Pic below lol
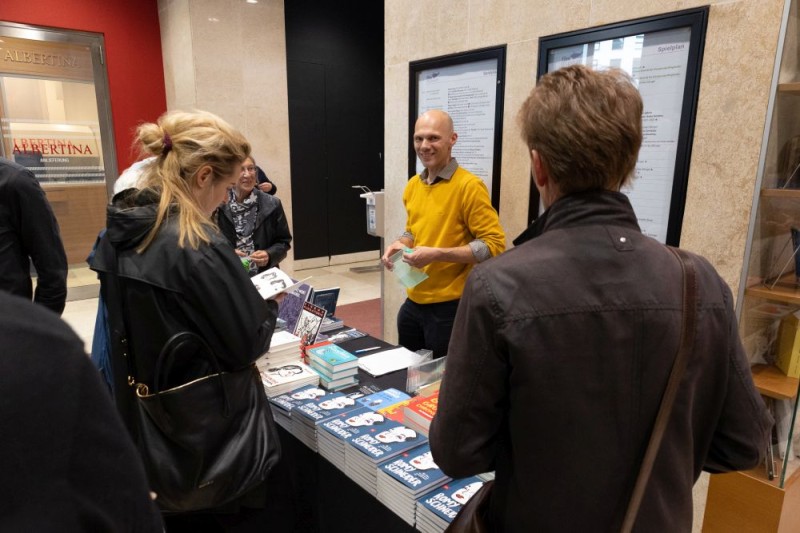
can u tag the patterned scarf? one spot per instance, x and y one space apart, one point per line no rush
244 216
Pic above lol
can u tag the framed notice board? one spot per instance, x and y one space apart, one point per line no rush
468 86
664 56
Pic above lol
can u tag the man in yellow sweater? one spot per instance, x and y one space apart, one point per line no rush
451 225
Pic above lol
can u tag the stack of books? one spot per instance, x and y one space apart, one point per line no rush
284 349
420 411
309 415
437 508
336 366
282 379
403 479
334 432
283 405
383 441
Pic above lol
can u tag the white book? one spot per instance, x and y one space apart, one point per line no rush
274 281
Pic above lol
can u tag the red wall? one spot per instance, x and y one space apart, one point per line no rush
132 50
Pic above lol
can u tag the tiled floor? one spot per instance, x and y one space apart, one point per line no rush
83 288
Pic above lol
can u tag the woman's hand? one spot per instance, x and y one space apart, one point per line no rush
265 187
260 258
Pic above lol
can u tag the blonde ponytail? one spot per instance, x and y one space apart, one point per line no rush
183 143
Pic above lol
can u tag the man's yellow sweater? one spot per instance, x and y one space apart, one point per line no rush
448 214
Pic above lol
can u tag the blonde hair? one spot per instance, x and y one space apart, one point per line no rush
586 126
184 142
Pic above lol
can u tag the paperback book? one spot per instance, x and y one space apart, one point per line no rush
332 358
274 281
346 335
383 441
335 431
338 384
383 399
291 305
284 349
420 411
282 379
437 508
307 416
283 404
308 323
402 479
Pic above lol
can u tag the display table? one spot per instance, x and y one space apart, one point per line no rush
326 499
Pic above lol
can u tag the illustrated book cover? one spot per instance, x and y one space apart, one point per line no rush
415 470
289 308
308 323
274 281
445 502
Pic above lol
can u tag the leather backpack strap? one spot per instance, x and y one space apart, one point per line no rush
678 367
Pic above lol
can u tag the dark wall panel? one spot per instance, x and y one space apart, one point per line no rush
335 121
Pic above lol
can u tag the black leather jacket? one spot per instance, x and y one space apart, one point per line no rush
29 231
557 363
169 289
271 232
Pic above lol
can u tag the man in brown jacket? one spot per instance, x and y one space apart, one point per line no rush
562 346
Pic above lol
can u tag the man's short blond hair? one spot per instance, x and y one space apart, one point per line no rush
586 126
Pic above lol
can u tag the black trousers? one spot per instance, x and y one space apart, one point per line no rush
426 326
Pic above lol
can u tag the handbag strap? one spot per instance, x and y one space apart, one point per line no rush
671 391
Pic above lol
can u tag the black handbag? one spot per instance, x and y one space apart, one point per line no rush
203 443
206 442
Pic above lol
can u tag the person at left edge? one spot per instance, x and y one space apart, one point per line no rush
68 463
254 222
29 232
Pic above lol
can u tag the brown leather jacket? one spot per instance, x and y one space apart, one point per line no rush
557 363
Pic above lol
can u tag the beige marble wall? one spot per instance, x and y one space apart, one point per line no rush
229 57
737 69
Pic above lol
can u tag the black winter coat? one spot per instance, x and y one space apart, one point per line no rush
271 232
169 289
558 359
29 231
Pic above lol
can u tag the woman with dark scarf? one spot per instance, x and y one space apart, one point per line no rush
254 222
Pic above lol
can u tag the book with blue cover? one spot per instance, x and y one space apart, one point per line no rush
440 506
383 441
384 398
332 358
292 304
333 432
403 478
308 416
285 403
327 298
320 409
415 470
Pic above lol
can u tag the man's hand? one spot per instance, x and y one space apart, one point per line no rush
390 251
260 258
421 256
265 187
